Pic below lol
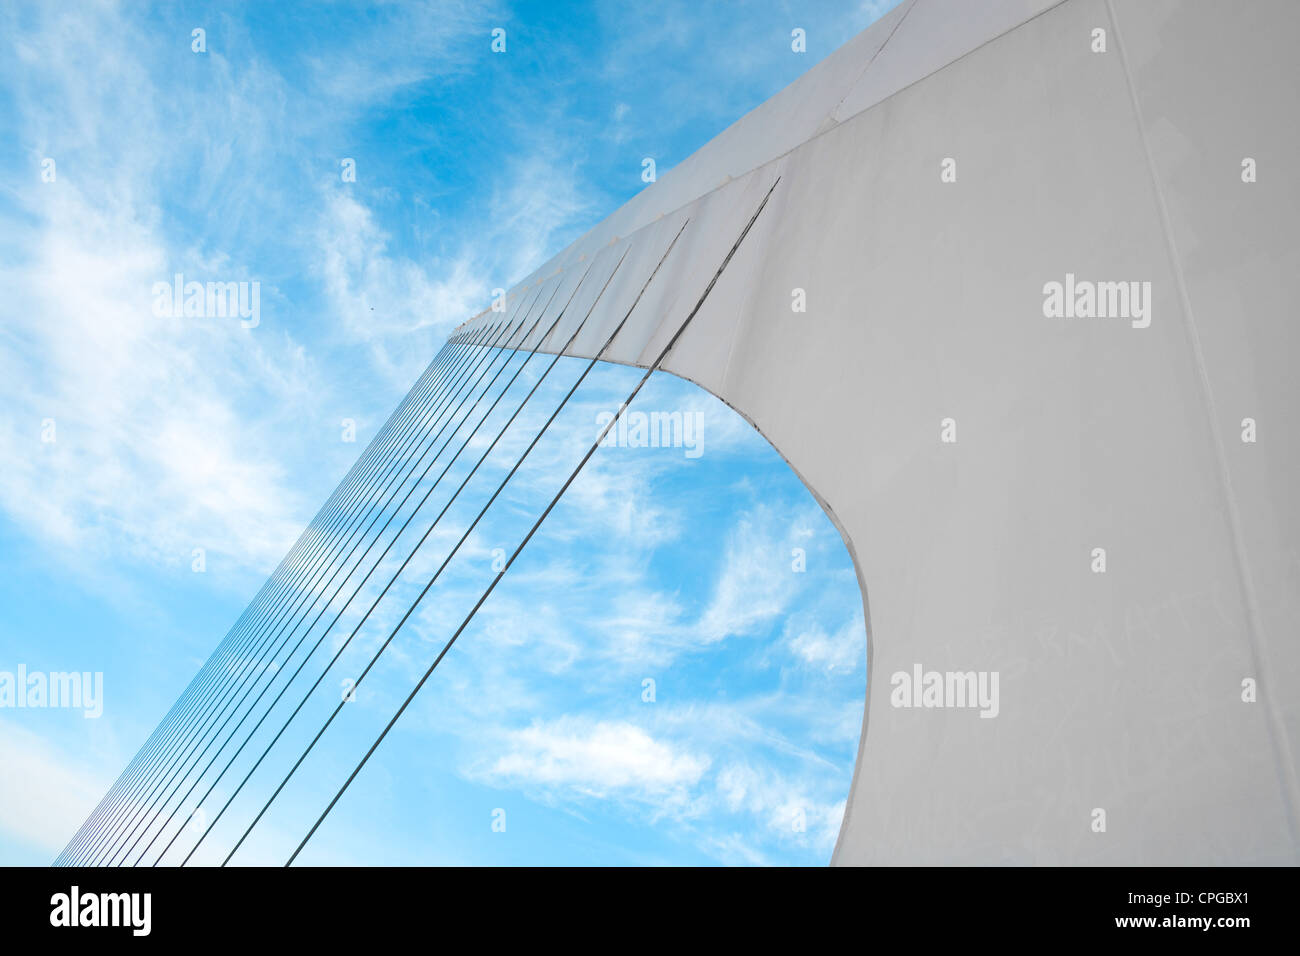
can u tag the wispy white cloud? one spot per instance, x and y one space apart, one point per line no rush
757 579
150 452
786 807
380 297
387 301
44 795
161 425
394 47
841 650
600 758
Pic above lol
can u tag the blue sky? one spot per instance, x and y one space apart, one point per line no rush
174 434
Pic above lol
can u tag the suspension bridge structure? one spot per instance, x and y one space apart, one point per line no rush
1008 284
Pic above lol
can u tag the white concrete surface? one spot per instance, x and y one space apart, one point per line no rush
1120 691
